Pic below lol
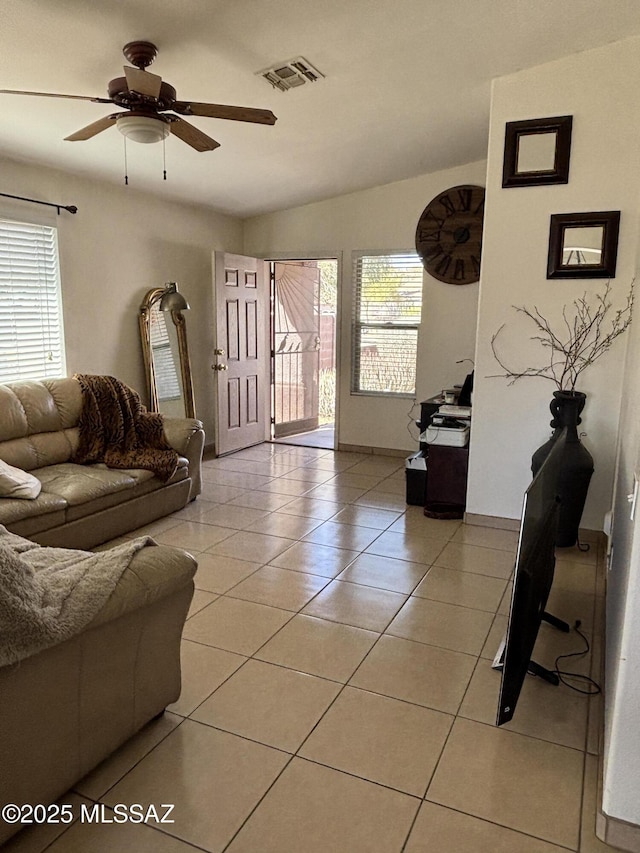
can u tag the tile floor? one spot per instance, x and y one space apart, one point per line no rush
338 694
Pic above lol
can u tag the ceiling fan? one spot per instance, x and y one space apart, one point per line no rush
147 100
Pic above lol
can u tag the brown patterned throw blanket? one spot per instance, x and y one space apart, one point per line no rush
115 428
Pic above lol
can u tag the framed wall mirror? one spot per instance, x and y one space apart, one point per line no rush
583 245
537 152
165 351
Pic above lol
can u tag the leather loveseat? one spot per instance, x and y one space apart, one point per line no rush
67 707
83 505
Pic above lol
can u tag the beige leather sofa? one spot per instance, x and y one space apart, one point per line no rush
83 505
65 709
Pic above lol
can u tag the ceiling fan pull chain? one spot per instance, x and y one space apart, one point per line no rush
126 168
164 159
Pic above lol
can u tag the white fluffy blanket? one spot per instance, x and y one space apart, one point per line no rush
48 595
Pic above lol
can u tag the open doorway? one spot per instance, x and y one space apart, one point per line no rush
303 347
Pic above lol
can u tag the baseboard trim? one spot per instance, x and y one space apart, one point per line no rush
492 521
376 451
617 833
584 535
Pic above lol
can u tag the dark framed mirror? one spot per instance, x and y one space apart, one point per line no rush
583 245
537 152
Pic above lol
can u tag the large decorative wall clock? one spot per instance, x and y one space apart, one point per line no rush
449 234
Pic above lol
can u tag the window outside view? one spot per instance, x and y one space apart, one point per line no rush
387 308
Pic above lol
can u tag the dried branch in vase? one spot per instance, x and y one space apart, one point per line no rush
586 333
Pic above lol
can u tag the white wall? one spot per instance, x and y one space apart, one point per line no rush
379 220
118 245
599 88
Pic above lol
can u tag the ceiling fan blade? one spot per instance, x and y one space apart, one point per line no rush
191 135
191 108
143 82
92 129
56 95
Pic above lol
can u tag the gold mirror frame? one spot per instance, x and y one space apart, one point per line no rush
150 300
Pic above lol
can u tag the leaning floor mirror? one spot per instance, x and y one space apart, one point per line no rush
165 352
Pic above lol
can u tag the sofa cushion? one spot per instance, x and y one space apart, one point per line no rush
44 505
142 483
79 484
38 422
16 483
91 488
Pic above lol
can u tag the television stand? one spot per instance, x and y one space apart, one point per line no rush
541 672
534 668
560 624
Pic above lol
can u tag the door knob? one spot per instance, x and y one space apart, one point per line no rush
219 367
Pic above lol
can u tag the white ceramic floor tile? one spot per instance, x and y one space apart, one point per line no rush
448 831
204 668
282 588
460 629
516 781
218 574
235 625
474 558
464 588
113 768
316 810
384 573
254 547
405 546
110 837
319 647
226 777
315 559
269 704
426 675
556 714
357 605
381 739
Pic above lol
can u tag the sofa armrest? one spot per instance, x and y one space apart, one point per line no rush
154 572
186 435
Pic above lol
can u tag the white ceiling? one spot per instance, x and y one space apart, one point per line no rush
407 86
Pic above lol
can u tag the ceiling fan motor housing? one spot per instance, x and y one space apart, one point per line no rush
120 95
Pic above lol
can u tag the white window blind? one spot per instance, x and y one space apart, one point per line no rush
387 307
31 331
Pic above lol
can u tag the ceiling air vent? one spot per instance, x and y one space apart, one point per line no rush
291 74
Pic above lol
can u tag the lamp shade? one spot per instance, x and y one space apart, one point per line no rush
144 129
172 300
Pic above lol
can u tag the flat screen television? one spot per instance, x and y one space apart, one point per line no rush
533 577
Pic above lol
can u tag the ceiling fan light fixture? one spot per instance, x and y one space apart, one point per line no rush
143 129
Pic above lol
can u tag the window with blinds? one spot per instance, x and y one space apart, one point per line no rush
386 318
31 331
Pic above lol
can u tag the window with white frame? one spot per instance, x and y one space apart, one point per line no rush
31 330
387 303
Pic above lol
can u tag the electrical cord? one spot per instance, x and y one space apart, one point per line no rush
412 422
593 687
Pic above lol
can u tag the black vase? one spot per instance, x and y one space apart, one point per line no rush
576 466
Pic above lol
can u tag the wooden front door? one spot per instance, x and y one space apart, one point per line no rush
241 364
